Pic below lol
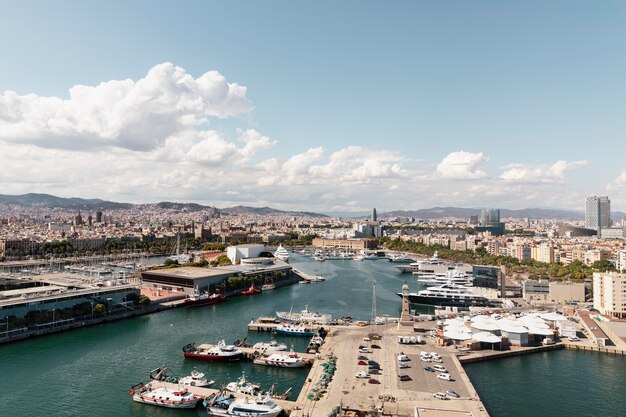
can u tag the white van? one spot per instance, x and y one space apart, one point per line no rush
440 368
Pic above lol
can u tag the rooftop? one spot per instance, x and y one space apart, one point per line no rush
191 272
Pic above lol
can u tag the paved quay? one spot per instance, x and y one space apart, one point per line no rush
389 395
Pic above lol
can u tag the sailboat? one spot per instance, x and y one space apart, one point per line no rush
181 258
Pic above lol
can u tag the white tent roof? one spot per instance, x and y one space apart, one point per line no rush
486 337
456 335
490 327
541 331
552 317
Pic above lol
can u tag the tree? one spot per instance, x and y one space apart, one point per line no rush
143 300
99 309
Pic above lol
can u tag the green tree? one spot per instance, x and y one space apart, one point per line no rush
99 309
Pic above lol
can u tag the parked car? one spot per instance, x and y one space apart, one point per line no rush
374 371
361 363
364 350
372 362
373 381
440 368
425 359
429 369
403 365
452 394
362 358
444 377
403 358
375 346
404 377
440 396
362 374
573 338
438 360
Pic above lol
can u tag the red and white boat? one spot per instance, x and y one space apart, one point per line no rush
198 299
220 352
164 397
283 360
251 291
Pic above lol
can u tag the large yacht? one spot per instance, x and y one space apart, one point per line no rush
305 316
416 266
220 352
281 253
448 295
454 276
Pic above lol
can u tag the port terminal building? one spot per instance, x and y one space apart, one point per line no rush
185 279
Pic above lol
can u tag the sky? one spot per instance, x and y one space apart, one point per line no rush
323 106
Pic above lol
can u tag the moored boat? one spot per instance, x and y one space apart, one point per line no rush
243 386
283 360
293 330
251 291
196 379
163 397
281 253
272 345
201 299
220 352
304 316
228 406
268 287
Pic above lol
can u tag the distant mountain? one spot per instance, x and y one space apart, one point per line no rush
264 211
182 206
47 200
460 212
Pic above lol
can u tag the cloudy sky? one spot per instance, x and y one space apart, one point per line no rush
323 106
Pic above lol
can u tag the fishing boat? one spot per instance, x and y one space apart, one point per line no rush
251 291
304 316
164 397
243 386
283 360
293 330
220 352
228 406
268 287
202 299
272 345
196 379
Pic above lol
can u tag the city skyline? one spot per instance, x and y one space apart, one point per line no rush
319 107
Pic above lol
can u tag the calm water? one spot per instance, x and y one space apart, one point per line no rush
88 372
558 383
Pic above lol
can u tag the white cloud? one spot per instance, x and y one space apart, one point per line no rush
540 173
462 165
301 163
137 115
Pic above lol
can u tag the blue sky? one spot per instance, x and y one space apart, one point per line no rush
348 105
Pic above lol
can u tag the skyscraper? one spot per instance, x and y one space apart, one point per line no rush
598 212
374 216
489 216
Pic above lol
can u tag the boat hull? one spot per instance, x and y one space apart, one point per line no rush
164 402
205 302
292 333
213 358
220 412
447 302
298 364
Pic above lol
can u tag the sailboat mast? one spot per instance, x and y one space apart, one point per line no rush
374 302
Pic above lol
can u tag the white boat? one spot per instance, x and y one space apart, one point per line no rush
267 287
281 253
455 276
181 258
196 379
448 295
283 360
219 352
273 345
164 397
262 406
294 330
304 316
317 278
243 386
400 259
359 257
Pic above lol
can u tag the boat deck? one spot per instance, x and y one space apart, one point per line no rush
251 352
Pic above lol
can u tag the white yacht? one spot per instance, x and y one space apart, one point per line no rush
283 360
448 295
455 276
273 345
262 406
164 397
281 253
418 265
305 316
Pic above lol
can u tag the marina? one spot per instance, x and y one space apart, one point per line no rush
101 356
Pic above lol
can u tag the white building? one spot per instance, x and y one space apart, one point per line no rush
620 263
609 293
236 253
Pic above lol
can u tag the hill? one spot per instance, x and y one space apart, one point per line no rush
47 200
264 211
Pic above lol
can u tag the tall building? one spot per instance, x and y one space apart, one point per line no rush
609 293
490 222
489 216
374 216
598 212
98 217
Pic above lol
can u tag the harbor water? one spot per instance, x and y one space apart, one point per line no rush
88 372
